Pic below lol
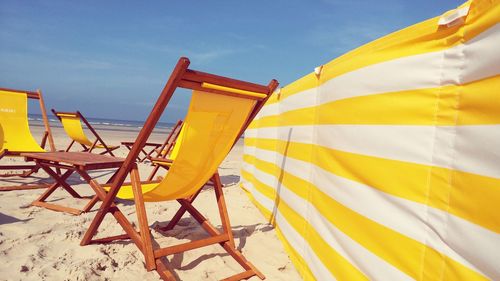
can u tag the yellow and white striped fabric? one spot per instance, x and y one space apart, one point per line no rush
385 164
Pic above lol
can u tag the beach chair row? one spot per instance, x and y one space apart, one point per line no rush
220 110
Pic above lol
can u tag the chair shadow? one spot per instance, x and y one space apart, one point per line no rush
6 219
229 180
74 179
22 181
277 200
225 180
195 232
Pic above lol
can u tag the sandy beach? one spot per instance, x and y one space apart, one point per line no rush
39 244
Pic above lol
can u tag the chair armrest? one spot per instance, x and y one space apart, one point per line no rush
147 144
159 159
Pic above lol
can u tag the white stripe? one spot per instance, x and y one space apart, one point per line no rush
481 55
268 110
465 242
476 148
474 60
296 240
304 99
370 264
404 143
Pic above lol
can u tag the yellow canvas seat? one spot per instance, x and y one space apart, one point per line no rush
215 119
15 134
72 125
220 110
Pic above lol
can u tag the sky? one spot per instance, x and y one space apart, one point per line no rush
111 59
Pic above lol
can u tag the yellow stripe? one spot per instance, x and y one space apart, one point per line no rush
300 264
424 37
470 196
474 103
341 268
304 271
66 115
233 90
399 250
479 102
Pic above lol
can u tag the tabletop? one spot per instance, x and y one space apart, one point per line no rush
85 160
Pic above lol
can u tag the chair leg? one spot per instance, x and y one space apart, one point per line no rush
101 213
250 269
27 170
30 172
91 203
70 145
165 273
219 195
24 187
153 173
142 218
178 215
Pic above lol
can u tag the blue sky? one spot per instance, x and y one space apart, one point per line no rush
110 59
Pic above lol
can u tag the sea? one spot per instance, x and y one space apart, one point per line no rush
108 124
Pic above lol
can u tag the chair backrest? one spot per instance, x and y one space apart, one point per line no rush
166 150
211 128
15 136
72 125
220 110
177 144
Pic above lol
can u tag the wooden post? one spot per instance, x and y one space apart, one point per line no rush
46 121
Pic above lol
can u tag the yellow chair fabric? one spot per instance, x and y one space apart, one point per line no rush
208 133
15 134
385 163
174 151
73 127
177 145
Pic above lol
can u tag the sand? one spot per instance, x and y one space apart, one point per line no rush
39 244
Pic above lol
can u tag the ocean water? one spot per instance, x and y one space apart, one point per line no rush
109 124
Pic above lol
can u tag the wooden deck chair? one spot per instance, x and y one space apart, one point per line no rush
166 154
72 124
15 134
220 110
159 149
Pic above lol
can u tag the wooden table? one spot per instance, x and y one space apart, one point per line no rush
80 162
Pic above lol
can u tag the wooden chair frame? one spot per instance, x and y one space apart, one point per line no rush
163 152
28 170
98 139
184 78
156 147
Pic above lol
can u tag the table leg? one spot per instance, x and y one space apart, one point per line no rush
53 187
61 182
